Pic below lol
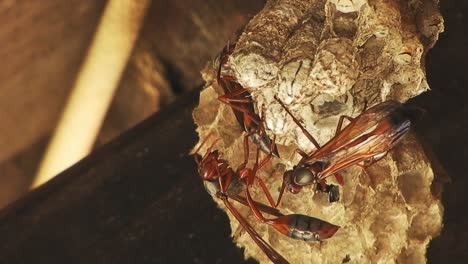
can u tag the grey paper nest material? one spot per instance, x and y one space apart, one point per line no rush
325 59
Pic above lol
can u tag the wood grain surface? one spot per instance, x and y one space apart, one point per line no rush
43 43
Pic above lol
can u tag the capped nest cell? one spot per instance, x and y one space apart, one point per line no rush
325 59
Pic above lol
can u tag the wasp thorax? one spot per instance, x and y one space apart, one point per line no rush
303 176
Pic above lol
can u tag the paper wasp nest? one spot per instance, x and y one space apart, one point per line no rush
325 59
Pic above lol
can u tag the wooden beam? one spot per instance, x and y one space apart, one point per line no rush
137 199
43 43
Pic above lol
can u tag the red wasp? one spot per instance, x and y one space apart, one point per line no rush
223 181
295 226
226 183
365 140
239 99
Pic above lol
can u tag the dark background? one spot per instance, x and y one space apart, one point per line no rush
138 199
445 128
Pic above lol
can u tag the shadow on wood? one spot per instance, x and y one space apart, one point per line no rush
137 200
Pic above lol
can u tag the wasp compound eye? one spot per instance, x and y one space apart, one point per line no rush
303 176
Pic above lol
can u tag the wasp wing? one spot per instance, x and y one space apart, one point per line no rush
370 135
359 126
235 95
369 146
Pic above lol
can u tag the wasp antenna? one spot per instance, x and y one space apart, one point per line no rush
213 144
194 152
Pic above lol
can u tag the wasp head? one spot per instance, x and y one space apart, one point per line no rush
298 177
208 166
